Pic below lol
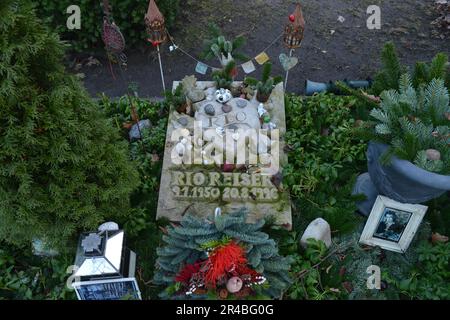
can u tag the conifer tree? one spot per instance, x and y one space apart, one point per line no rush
388 78
63 167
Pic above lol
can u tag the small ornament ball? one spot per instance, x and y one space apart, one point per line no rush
292 18
234 284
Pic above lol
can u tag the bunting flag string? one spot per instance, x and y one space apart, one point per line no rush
248 67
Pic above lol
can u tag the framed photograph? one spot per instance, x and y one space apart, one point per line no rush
392 225
111 289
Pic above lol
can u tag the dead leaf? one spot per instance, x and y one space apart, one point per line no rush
436 238
348 286
398 30
91 61
163 230
127 125
155 157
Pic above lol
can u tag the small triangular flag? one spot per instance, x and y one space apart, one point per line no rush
248 67
201 68
262 58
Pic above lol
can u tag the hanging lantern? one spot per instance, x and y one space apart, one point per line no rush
294 30
155 25
105 267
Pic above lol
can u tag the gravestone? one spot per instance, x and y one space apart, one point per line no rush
203 166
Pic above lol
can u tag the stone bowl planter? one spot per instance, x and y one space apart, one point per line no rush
401 180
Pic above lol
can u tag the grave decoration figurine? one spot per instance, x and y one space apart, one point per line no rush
292 38
112 38
220 257
156 32
223 95
105 268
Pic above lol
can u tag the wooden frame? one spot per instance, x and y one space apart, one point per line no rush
397 235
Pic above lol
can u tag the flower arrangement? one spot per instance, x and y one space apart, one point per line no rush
224 272
223 257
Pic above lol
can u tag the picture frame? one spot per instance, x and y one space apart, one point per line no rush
392 225
108 289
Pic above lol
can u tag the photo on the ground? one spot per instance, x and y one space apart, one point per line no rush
392 224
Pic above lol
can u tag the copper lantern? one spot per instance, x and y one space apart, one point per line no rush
294 30
155 24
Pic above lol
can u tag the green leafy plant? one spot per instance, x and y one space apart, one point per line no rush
266 84
221 48
24 276
64 167
308 271
429 279
128 15
175 100
325 158
224 78
412 121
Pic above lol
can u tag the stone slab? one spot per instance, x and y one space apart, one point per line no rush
200 188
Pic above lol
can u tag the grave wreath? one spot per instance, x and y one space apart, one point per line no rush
220 257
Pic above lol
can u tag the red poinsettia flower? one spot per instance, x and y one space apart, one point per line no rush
185 275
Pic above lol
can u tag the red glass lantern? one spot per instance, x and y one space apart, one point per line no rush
294 30
155 24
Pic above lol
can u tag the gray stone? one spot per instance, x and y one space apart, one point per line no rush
183 121
108 226
41 249
241 103
318 229
433 154
209 110
134 131
226 108
196 95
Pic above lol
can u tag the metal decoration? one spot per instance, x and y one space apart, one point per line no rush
294 30
113 39
155 24
115 45
91 242
293 34
156 31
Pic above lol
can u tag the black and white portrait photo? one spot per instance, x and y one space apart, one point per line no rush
392 224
